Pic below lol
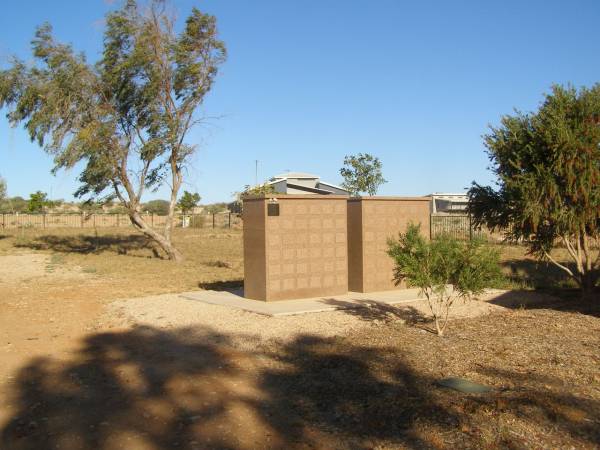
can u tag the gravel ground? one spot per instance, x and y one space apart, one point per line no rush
170 311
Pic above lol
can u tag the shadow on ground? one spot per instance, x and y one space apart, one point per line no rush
223 285
536 274
568 300
149 388
373 311
85 244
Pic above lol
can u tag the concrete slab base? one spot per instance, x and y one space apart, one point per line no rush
235 299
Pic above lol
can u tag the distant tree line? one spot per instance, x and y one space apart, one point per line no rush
38 203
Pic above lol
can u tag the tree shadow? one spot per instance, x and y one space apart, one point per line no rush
536 274
356 396
564 300
189 388
120 386
374 311
148 388
86 244
222 285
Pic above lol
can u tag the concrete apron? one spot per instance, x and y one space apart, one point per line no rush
235 299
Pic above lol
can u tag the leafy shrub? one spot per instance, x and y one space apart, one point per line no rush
445 269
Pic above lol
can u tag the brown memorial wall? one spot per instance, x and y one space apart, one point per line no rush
295 246
371 222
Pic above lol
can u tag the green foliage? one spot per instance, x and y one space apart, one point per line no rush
444 268
188 201
126 117
14 205
91 207
38 202
548 169
158 207
259 190
362 173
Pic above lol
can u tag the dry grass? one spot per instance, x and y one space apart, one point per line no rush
525 271
129 261
125 263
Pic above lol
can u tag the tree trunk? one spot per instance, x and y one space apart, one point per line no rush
163 242
172 203
588 284
438 328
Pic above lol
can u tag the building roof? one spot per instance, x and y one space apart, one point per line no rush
333 185
448 194
308 189
299 175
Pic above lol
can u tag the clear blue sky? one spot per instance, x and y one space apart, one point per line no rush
307 82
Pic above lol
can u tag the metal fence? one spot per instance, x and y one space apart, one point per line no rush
457 226
17 221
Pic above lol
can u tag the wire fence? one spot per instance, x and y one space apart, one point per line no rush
53 220
459 227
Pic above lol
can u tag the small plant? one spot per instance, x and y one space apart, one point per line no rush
445 269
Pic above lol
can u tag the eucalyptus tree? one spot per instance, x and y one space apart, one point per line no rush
362 173
548 188
127 116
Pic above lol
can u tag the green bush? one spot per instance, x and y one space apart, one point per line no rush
445 269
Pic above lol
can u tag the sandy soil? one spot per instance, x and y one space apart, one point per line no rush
171 312
27 266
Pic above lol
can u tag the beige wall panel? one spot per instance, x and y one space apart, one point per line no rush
299 253
371 222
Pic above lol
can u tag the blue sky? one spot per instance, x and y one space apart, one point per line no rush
307 82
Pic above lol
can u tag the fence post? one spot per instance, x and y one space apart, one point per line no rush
229 219
470 228
213 220
152 220
82 219
430 227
